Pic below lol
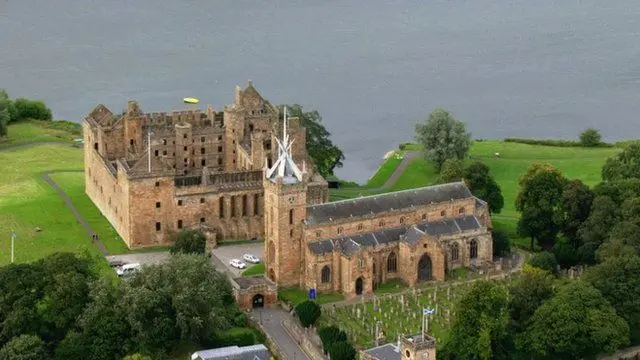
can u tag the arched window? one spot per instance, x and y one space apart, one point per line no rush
318 233
381 223
325 275
473 249
291 217
360 227
339 230
402 220
392 263
424 216
455 252
443 213
461 211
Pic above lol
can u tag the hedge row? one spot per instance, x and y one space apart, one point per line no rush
547 142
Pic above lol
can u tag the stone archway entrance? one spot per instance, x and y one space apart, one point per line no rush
258 301
424 268
272 275
359 286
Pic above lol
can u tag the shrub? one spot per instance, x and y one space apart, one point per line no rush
189 242
235 336
65 125
308 311
30 109
590 138
330 335
549 142
565 254
342 350
501 243
545 261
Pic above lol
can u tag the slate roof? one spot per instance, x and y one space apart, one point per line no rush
385 352
251 352
349 245
371 205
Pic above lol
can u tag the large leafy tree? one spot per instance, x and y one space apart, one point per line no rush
452 170
545 261
539 202
325 154
531 290
618 281
5 112
578 322
24 347
479 328
625 165
484 186
30 109
443 137
590 137
576 205
595 230
189 242
308 312
342 350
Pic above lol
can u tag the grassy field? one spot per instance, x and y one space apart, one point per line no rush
39 131
257 269
27 202
73 184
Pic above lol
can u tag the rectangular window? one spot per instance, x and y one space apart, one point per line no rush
158 204
202 139
203 162
202 150
291 217
179 202
179 224
156 152
219 149
185 148
201 200
201 220
157 183
219 161
184 136
219 138
256 204
233 206
221 207
164 152
158 227
244 205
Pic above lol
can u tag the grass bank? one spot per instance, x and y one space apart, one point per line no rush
28 132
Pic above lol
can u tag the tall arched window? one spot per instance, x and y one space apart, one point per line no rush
325 275
291 217
443 213
402 220
461 211
392 263
473 249
381 223
339 230
455 252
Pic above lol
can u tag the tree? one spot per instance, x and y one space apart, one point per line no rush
452 170
630 210
24 347
618 281
565 253
342 350
31 109
531 290
578 322
479 180
590 137
137 356
443 137
603 216
501 244
5 112
325 155
540 203
545 261
576 206
479 328
625 165
189 242
330 335
308 312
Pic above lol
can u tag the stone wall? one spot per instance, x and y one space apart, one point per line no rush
307 338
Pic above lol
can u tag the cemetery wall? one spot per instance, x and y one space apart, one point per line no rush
308 340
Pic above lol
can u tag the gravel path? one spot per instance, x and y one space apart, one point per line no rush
408 157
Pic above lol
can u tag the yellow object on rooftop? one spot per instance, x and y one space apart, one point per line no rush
191 100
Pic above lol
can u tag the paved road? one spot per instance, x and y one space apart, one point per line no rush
272 319
408 157
227 252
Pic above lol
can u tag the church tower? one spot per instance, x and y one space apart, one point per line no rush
285 205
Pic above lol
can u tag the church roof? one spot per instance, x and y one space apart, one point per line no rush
352 244
385 352
371 205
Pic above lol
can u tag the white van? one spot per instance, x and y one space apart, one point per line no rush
128 269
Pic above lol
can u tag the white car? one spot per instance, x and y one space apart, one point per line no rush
237 264
128 269
250 258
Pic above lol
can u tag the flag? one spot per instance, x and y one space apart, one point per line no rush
428 311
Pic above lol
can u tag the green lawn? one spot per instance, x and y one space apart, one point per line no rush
73 184
27 202
385 170
296 296
37 131
257 269
390 286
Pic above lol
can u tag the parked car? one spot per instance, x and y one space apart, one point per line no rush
128 269
250 258
237 264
